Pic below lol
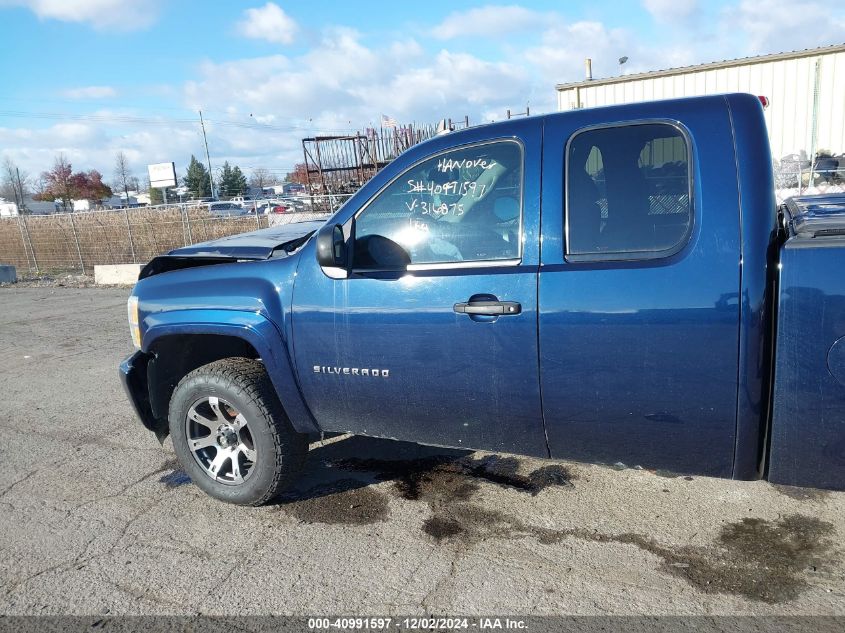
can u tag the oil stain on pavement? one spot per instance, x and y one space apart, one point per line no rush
802 494
457 478
761 560
340 502
758 559
355 501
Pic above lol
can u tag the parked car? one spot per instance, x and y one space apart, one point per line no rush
605 285
247 203
294 204
196 202
293 188
225 209
272 207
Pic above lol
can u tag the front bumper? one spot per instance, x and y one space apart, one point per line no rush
133 376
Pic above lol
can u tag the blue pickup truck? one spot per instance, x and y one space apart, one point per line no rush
606 285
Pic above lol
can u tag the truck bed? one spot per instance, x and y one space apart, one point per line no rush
807 444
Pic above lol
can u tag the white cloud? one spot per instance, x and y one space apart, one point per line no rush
451 84
341 58
93 145
671 11
343 84
90 92
559 56
123 15
34 149
269 23
489 21
784 25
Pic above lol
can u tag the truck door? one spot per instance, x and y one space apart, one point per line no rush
432 334
638 287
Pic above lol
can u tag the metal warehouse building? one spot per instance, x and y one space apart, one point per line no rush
806 92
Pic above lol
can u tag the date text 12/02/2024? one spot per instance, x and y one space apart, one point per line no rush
415 623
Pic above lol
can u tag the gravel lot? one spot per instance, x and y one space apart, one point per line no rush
97 517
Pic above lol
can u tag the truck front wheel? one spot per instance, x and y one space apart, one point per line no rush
231 435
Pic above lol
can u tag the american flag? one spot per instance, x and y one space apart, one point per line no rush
387 121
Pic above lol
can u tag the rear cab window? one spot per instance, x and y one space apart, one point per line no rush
628 192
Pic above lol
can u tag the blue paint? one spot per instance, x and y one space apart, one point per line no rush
248 301
808 423
454 380
663 362
758 234
639 359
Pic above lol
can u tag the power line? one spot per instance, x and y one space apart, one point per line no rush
113 103
165 121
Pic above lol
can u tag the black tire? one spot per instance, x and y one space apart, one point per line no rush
280 451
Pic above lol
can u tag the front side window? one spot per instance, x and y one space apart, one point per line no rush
464 205
628 192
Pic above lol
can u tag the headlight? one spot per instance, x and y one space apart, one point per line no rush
134 321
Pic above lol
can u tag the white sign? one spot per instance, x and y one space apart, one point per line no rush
7 209
162 175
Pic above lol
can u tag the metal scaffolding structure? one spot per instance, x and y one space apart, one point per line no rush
341 164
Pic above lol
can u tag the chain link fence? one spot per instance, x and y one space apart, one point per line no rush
76 242
796 175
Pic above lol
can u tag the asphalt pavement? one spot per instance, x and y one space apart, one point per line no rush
97 518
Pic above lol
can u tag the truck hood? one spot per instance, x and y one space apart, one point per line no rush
263 244
256 245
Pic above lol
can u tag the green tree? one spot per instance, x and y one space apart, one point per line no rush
232 180
239 180
197 180
156 196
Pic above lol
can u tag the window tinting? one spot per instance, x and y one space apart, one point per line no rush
462 205
628 191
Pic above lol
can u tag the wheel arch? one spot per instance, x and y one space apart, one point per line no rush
180 341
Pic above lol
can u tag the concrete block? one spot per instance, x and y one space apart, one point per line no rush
8 275
118 274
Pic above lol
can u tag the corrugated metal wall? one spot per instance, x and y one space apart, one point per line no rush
789 84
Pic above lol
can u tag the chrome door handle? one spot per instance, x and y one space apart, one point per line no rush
489 308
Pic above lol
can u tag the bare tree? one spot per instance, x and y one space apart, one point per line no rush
9 182
123 177
14 184
261 178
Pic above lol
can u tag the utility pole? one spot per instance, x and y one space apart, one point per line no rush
22 208
207 156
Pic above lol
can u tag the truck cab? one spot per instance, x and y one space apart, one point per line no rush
597 285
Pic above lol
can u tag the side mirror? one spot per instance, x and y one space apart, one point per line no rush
331 246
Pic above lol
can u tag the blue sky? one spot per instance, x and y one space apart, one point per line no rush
92 77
